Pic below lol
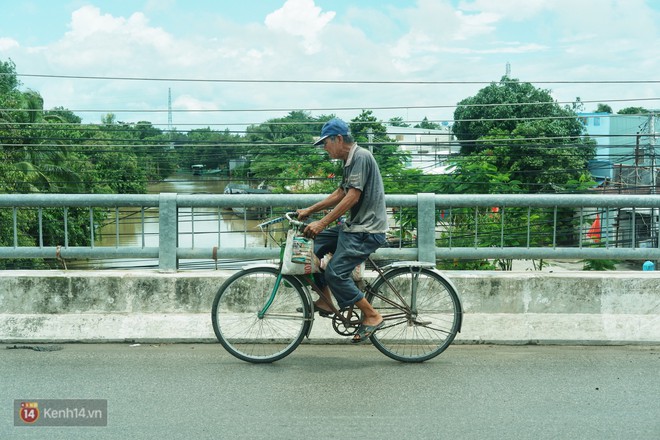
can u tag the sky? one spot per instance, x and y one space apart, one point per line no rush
228 64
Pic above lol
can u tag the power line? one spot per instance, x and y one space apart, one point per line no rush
286 123
359 108
309 81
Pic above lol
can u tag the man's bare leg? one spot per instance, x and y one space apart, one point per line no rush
370 316
325 300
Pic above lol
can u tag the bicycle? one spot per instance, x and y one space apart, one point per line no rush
260 315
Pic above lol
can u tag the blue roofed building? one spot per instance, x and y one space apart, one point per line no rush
626 151
626 163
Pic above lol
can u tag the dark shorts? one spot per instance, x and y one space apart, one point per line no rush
349 250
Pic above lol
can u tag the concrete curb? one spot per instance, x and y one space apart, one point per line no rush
500 307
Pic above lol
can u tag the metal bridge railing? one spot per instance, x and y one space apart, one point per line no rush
425 227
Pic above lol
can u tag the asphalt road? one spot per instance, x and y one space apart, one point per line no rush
342 391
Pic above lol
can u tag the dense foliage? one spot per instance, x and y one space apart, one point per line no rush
525 135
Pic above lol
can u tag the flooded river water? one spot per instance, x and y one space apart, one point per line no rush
203 228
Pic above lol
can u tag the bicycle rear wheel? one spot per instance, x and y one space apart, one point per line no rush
431 322
246 335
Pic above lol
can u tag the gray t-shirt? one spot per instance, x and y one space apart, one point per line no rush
361 172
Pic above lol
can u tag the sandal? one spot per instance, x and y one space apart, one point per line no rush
364 332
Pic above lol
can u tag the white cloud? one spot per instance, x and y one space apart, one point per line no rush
515 10
300 18
187 102
431 24
7 44
476 25
435 27
506 48
102 41
424 40
159 5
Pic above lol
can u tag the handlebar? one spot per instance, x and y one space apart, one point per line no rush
271 222
289 216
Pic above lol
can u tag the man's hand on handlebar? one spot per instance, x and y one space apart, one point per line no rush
314 228
303 213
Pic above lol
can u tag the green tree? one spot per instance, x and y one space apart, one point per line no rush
428 124
109 119
8 78
633 111
63 115
282 154
502 107
398 121
479 174
390 159
298 125
210 148
526 133
40 162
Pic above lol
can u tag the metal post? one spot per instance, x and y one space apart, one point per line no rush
168 236
655 224
426 227
370 137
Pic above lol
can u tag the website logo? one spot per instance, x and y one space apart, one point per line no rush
61 412
29 412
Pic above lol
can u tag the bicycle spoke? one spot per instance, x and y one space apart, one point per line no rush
238 326
432 318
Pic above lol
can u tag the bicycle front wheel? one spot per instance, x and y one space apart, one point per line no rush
422 314
249 327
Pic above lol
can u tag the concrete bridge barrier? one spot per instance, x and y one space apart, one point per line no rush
499 307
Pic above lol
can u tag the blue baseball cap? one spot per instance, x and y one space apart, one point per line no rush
333 127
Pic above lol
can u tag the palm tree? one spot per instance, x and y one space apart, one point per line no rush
41 165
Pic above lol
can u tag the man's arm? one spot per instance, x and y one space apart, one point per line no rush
344 203
330 201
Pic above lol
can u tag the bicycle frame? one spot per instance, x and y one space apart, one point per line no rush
307 280
405 309
263 311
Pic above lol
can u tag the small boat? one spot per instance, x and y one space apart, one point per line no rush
250 213
199 170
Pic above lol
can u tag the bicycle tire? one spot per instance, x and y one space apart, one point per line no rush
430 329
260 340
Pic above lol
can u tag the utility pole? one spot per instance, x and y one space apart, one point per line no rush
652 151
637 154
370 137
654 217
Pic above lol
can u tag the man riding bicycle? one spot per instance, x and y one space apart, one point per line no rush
362 195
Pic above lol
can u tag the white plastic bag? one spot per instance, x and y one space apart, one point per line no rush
357 274
299 258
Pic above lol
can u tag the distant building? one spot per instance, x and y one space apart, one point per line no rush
429 148
626 151
626 163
